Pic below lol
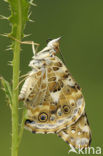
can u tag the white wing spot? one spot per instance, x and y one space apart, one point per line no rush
55 96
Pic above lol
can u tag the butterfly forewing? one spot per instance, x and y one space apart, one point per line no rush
33 90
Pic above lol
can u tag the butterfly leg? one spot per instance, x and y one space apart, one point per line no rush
28 42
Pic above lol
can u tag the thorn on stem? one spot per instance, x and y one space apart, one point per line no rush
31 2
4 17
30 20
5 35
26 35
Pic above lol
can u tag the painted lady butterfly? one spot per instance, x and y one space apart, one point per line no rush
54 100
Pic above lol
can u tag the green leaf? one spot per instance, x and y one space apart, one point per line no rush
7 90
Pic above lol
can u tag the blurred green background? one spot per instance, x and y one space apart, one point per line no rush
80 22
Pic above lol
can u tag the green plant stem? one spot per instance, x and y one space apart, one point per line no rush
16 63
18 18
16 66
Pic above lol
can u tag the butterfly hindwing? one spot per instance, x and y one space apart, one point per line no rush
78 134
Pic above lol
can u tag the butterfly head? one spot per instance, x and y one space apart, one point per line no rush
51 49
54 44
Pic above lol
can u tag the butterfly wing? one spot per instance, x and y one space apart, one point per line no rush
78 135
33 90
62 103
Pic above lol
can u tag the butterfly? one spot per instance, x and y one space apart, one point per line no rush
54 100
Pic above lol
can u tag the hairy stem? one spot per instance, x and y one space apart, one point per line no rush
18 18
16 66
16 61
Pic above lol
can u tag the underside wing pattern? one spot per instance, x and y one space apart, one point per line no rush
62 103
78 134
54 100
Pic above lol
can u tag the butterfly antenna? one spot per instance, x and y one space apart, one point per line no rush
62 57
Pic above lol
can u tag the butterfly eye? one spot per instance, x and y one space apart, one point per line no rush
66 109
48 40
43 117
